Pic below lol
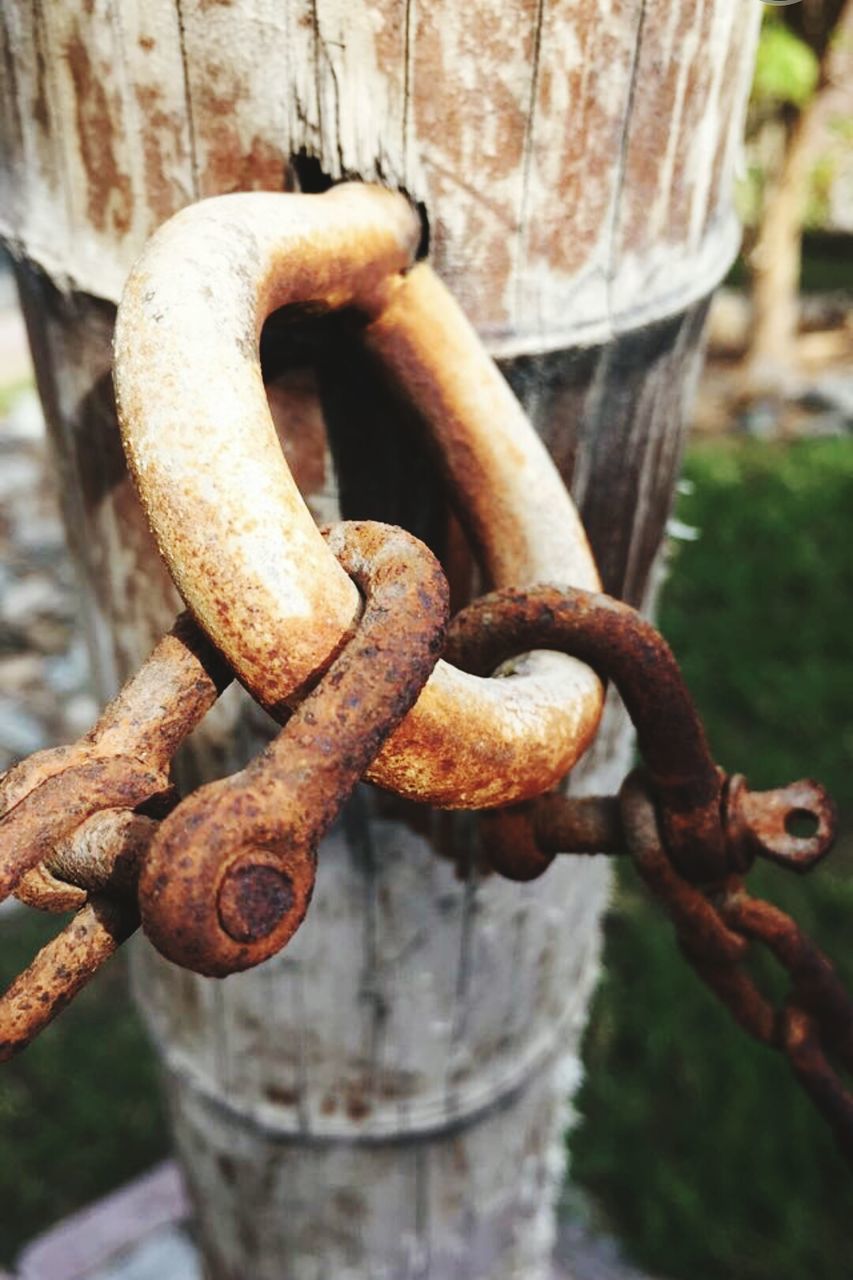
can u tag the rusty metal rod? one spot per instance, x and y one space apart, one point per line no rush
62 968
122 762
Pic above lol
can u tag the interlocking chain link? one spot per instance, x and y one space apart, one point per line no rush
230 873
221 879
225 877
228 517
691 832
225 880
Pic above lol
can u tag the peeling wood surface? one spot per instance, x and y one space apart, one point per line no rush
388 1098
576 159
432 1210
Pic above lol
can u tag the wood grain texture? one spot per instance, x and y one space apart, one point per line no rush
430 1017
387 1098
576 159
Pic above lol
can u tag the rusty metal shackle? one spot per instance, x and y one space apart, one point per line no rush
226 880
230 872
240 542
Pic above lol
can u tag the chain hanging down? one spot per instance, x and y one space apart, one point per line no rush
691 831
224 878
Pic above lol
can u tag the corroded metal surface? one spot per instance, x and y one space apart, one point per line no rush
199 438
702 831
103 920
691 832
61 803
102 855
230 873
106 914
227 878
69 836
764 824
715 925
61 969
813 1024
622 646
121 763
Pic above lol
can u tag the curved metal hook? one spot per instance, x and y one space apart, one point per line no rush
235 532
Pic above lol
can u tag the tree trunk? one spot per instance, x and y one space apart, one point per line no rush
776 258
389 1096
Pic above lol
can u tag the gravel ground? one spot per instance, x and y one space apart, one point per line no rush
45 697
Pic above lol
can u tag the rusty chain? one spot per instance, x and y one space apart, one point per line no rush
76 822
225 879
349 631
691 832
230 872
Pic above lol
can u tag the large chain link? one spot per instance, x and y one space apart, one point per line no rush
222 879
235 532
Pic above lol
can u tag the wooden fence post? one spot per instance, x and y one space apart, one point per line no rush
387 1098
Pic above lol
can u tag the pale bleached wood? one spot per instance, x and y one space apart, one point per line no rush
576 159
388 1098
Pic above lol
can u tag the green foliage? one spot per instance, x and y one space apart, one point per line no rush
80 1111
759 609
12 391
695 1141
786 69
819 202
708 1161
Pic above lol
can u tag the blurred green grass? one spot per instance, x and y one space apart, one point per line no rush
696 1144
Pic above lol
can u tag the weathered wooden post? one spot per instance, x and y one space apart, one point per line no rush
388 1097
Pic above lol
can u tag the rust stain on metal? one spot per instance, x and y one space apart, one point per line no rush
61 969
765 824
521 842
103 855
807 1057
623 647
230 872
716 928
105 918
257 576
69 836
689 909
691 832
253 899
60 804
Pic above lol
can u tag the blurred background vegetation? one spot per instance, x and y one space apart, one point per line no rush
799 175
693 1146
695 1143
